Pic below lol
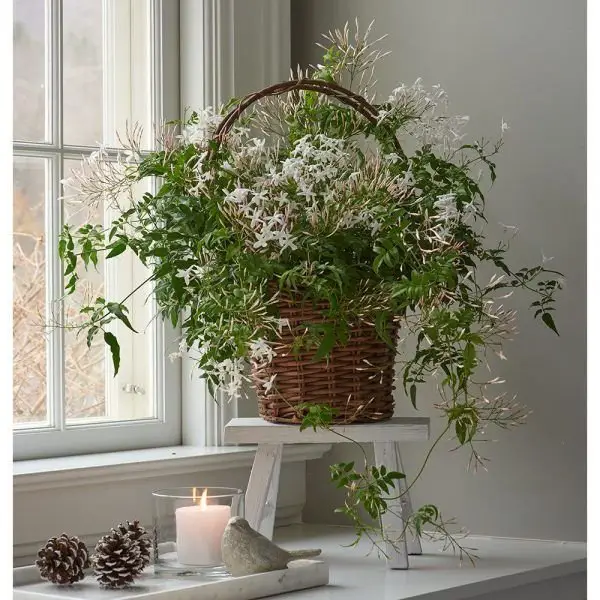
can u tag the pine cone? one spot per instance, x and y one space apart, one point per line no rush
139 535
117 560
63 560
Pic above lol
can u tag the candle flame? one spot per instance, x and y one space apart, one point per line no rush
199 500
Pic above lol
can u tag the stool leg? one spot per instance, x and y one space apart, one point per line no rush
263 486
413 543
385 454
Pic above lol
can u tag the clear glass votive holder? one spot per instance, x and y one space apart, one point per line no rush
188 528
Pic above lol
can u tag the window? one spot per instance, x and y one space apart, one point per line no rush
83 70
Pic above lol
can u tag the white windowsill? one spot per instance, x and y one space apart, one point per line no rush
511 569
49 473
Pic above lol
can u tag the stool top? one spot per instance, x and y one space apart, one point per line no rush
258 431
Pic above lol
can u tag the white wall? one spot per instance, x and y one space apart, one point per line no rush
524 62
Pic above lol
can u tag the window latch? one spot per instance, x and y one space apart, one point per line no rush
132 388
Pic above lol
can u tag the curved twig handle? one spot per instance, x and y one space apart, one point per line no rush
344 95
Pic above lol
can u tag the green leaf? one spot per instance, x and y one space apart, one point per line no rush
413 395
117 309
461 431
90 335
327 344
115 349
117 249
549 321
160 252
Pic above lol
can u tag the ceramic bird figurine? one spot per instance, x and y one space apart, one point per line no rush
246 552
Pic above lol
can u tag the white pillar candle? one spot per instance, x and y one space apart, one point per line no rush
199 531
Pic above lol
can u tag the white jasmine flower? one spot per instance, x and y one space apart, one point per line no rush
184 274
282 198
306 192
392 157
442 232
193 272
268 385
203 129
285 240
258 144
237 196
281 323
232 389
262 239
446 207
261 351
504 126
469 211
230 374
256 218
259 198
375 227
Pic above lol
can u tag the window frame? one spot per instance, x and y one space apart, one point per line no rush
56 438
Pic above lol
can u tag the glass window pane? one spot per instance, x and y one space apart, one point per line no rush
84 367
106 70
29 70
92 393
29 290
82 72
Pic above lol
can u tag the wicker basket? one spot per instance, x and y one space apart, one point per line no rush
357 378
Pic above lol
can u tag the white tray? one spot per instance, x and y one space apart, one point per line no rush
300 574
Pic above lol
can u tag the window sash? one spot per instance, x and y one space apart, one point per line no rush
59 438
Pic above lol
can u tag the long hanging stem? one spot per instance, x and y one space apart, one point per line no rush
428 455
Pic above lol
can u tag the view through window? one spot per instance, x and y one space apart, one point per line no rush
83 70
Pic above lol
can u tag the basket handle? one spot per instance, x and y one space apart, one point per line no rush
344 95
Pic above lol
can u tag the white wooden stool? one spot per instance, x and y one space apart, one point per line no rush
261 495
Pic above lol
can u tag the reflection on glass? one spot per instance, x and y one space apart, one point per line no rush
29 76
82 72
29 290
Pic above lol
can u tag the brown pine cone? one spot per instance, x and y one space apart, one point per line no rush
63 560
139 535
117 560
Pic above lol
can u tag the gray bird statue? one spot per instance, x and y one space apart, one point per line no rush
246 552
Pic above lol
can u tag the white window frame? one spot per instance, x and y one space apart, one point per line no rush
229 48
56 438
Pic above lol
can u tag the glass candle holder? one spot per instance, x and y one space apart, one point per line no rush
188 528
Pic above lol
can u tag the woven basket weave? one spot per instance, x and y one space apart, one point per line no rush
357 378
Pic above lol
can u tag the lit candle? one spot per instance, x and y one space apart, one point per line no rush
199 532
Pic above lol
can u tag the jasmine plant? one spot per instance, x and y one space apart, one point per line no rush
384 219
